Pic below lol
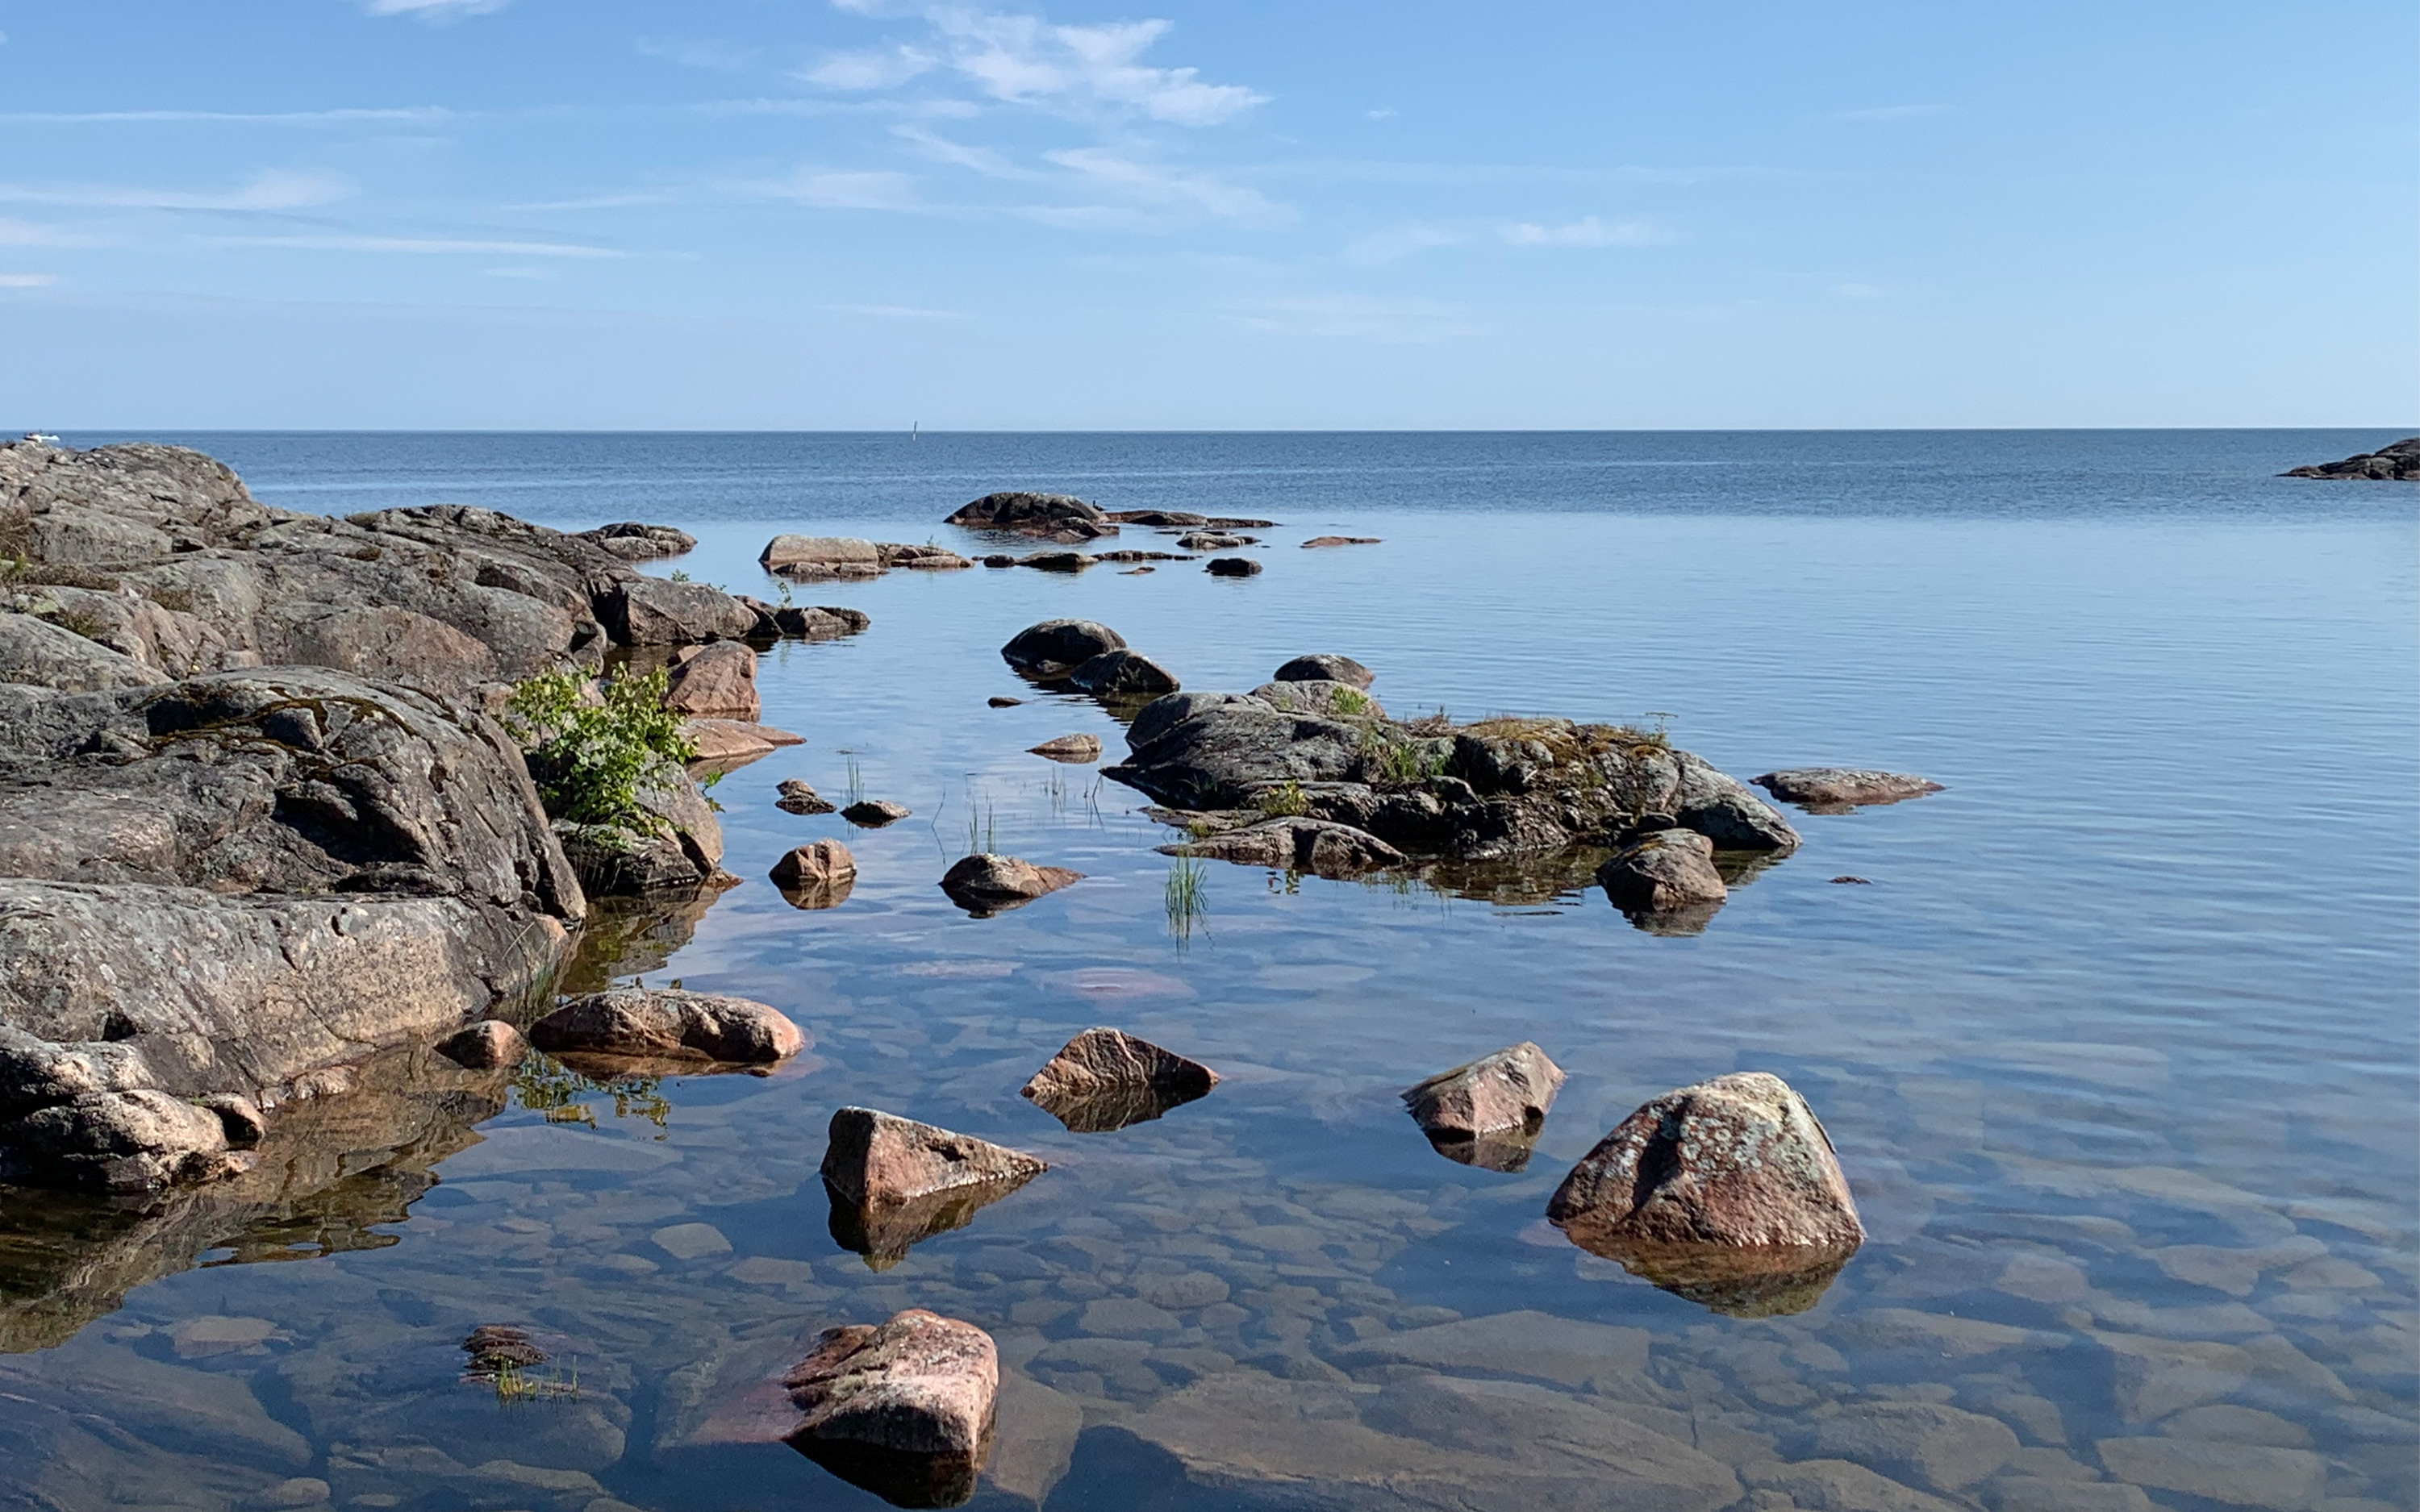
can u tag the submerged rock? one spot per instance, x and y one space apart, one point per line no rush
1324 667
1233 567
1729 1186
1075 750
1662 871
873 813
894 1183
799 796
2398 463
819 622
921 557
1317 541
1318 846
1488 1113
718 680
904 1410
487 1045
1056 647
728 743
1001 700
1121 675
668 1023
984 884
1840 789
1106 1079
823 870
1213 541
1057 561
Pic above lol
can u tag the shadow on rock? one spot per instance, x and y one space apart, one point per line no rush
332 1170
1751 1281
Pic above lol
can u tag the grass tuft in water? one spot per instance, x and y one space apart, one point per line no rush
1185 897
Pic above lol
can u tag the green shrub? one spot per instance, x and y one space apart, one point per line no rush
591 759
1347 701
1283 801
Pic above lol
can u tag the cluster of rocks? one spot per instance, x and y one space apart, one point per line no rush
257 814
2398 463
1086 657
833 557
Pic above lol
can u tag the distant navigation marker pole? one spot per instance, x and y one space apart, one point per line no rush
912 427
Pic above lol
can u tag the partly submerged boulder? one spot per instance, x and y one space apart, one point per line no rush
1056 647
1122 676
1049 515
1317 541
820 866
1488 1112
1662 871
894 1181
984 884
799 796
903 1409
819 622
1106 1079
1318 846
817 558
487 1045
1324 667
1840 789
873 813
118 1142
1727 1190
2398 463
1075 750
1233 567
668 1023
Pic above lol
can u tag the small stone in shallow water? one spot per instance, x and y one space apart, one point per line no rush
873 813
984 884
798 796
1859 882
690 1241
1488 1113
1233 567
999 701
1317 541
1662 872
1840 789
1105 1079
1075 748
824 866
894 1183
668 1023
487 1045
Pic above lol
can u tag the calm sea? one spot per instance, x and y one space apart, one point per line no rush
2118 1047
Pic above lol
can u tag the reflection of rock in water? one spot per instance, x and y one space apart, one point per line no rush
1108 1108
1674 922
332 1168
882 1232
628 937
898 1476
1743 1281
1517 882
1105 1079
1500 1150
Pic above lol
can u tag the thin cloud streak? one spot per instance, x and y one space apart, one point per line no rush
274 190
425 246
230 118
1588 231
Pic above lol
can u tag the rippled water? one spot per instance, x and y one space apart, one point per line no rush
2118 1048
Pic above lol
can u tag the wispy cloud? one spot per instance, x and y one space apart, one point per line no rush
231 117
940 148
422 246
274 190
1588 231
26 280
432 9
1400 241
1169 188
29 234
842 190
1352 315
1876 114
697 53
1025 60
901 312
595 202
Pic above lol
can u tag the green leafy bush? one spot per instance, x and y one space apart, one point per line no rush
591 757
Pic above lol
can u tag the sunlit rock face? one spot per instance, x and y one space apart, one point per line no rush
903 1409
894 1183
1106 1079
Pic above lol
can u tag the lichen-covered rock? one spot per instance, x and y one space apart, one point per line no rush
1324 667
1127 676
1106 1079
1662 871
983 884
1840 789
35 651
1318 846
633 541
1738 1161
1053 648
668 1023
716 680
903 1409
656 612
1498 788
487 1045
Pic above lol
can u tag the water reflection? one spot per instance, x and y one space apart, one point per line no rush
1738 1281
883 1231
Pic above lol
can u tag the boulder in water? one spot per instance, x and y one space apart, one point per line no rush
1056 647
1318 541
903 1409
1033 514
819 557
2398 463
1318 846
1121 675
1662 871
1325 667
984 884
1488 1113
1075 750
490 1045
1840 789
797 795
873 813
668 1023
822 866
1106 1079
1233 567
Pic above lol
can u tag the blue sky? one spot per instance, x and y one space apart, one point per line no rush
794 214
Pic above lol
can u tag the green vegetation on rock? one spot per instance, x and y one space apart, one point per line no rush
591 754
